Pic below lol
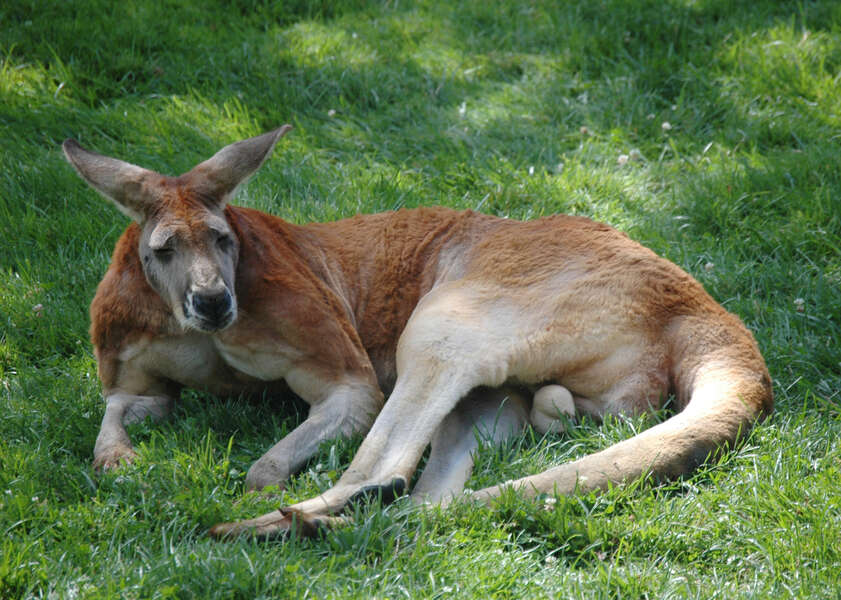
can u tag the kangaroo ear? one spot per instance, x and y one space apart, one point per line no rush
125 184
218 177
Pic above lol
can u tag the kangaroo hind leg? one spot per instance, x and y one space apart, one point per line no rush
447 349
492 414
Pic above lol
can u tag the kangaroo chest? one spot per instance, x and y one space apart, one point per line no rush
203 362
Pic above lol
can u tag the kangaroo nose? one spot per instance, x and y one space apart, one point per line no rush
212 306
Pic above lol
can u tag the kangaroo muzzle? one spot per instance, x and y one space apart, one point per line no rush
210 311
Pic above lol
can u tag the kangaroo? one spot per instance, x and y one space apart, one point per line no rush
462 320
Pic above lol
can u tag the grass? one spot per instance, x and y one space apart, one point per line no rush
729 116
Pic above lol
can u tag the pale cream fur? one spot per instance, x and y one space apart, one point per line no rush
550 404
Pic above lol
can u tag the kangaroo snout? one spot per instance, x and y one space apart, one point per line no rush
211 311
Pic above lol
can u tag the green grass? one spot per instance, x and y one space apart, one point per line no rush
519 110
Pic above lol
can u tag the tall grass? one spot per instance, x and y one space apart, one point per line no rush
708 130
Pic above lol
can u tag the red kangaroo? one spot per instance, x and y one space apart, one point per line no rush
461 319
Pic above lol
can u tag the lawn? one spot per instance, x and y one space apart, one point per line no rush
708 130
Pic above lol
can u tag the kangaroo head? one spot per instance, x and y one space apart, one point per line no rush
187 248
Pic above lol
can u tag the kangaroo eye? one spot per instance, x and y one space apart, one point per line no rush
224 242
164 254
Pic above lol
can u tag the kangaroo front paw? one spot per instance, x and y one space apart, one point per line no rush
551 403
113 457
264 473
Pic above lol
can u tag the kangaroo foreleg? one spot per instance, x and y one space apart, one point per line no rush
346 411
113 445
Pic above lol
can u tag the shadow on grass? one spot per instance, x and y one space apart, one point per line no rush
242 53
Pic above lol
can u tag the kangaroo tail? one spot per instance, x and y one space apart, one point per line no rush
725 389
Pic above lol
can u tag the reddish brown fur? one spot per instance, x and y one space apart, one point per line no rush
355 282
125 308
376 265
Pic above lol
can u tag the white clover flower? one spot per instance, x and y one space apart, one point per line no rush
666 126
622 160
